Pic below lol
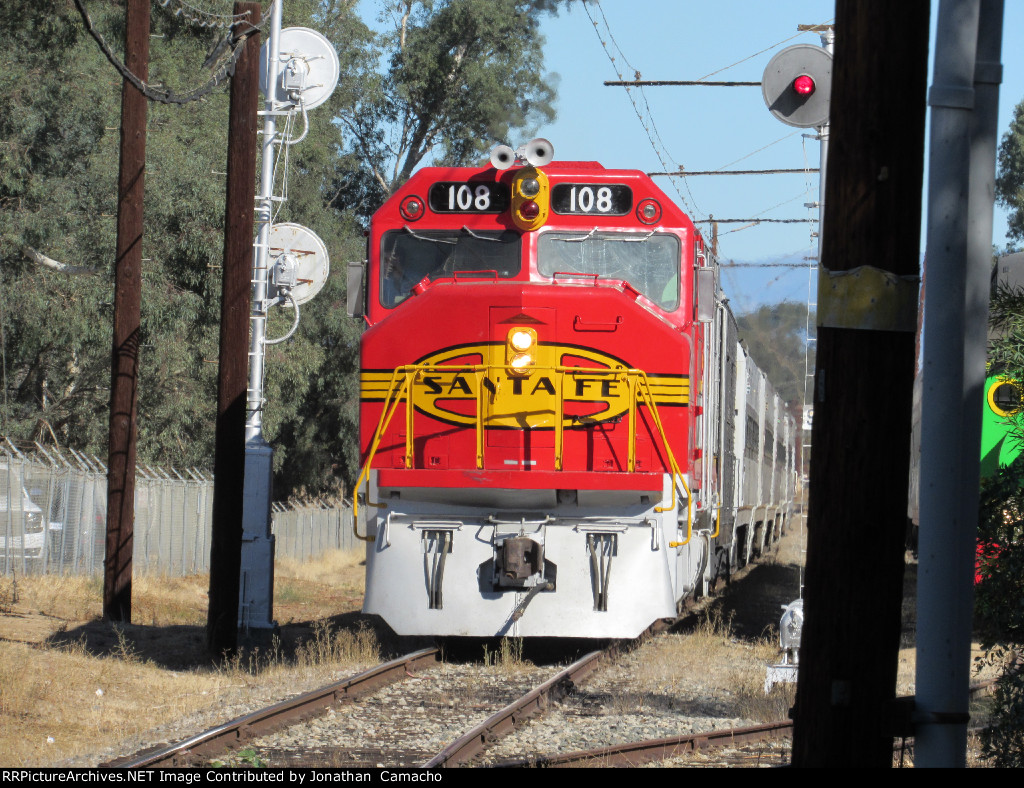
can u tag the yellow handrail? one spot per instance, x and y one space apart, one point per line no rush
401 385
642 378
391 405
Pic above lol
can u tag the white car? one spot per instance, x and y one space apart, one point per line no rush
21 522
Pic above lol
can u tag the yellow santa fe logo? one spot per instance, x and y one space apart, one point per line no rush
590 386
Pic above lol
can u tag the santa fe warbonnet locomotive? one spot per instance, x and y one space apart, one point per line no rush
560 431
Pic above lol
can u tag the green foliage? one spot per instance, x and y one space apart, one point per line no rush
461 76
59 198
1010 178
437 81
999 597
58 169
775 335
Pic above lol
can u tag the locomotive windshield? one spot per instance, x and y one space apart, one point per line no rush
648 261
406 256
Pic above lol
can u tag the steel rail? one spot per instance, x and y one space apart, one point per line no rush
653 750
501 723
280 715
636 753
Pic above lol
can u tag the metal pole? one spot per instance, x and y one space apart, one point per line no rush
261 256
256 585
964 100
828 38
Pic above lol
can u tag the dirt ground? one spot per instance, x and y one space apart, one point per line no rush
73 686
75 690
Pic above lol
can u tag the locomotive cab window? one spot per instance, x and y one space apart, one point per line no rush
407 256
647 261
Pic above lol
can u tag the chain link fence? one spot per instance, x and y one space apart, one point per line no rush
53 517
304 531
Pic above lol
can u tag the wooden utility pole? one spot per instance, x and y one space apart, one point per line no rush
863 387
229 462
117 578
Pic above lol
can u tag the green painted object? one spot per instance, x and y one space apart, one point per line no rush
999 444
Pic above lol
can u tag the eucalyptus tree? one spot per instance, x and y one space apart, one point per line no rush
1010 178
436 81
429 81
775 335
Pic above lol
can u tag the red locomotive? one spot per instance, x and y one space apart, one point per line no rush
554 438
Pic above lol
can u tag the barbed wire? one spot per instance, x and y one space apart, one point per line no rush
239 33
200 16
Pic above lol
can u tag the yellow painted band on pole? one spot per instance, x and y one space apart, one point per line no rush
867 299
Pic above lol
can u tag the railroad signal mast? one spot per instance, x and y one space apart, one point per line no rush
299 71
797 89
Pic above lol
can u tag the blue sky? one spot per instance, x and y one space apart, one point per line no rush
709 128
706 128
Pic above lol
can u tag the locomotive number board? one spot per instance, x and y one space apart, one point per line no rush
609 199
468 197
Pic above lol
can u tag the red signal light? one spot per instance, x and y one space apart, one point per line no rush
803 85
529 210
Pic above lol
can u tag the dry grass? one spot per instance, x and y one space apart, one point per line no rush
72 684
55 702
507 658
713 654
318 589
732 641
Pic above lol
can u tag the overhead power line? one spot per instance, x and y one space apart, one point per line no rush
656 83
763 265
644 115
755 221
734 172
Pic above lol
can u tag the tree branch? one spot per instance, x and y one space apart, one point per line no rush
41 259
366 153
404 25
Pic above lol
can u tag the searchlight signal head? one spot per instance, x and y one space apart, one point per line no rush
797 84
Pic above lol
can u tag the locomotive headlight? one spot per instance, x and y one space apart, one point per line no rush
649 211
529 210
521 361
520 350
521 340
530 198
529 187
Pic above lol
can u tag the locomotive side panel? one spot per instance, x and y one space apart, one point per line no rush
730 452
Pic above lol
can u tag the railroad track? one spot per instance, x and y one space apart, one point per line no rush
247 727
655 750
401 713
756 745
412 711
